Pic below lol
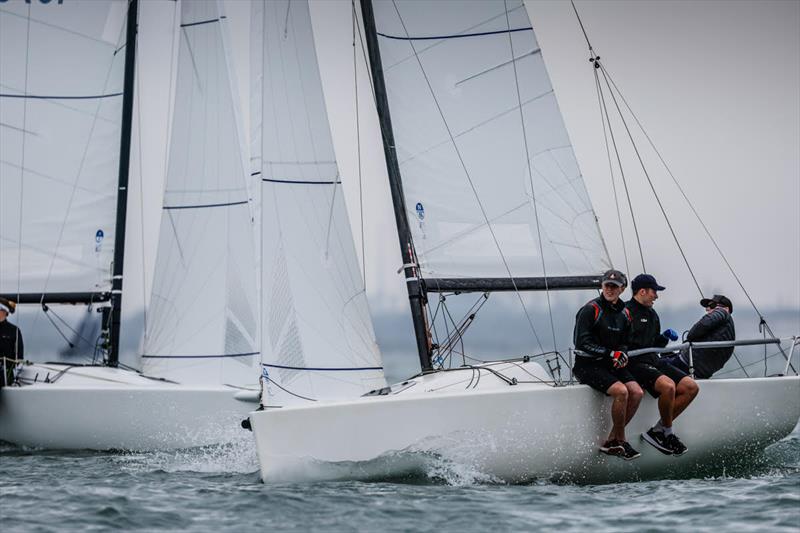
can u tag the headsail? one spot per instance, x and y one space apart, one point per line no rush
61 84
317 333
203 322
470 171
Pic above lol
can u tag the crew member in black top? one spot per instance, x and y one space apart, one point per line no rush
11 347
601 334
674 389
716 325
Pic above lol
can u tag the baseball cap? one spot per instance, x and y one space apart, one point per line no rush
645 281
716 300
614 276
7 305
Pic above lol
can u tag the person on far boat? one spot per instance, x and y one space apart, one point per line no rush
11 347
716 325
673 387
601 334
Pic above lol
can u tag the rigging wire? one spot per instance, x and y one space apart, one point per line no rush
603 119
530 175
22 169
469 178
649 180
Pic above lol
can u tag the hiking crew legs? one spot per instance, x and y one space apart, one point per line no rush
685 391
665 388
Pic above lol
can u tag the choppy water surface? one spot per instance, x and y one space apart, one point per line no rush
219 488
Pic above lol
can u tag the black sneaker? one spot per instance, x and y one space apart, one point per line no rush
658 440
675 444
613 447
630 453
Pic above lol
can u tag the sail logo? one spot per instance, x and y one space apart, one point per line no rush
98 240
420 211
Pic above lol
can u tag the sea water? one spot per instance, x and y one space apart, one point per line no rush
218 488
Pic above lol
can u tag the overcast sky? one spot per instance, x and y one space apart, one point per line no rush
716 84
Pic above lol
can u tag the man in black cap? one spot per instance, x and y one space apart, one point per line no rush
601 334
674 389
716 325
11 347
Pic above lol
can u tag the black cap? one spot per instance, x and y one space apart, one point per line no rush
716 300
614 276
645 281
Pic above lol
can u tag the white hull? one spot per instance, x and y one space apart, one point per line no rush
516 433
101 408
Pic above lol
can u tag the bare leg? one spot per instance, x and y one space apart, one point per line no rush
635 394
665 388
619 393
685 392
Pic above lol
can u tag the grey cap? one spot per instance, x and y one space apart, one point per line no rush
616 277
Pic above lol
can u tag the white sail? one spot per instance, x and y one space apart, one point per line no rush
317 335
471 173
61 82
203 322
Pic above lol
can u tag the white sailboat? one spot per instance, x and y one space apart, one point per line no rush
66 122
491 199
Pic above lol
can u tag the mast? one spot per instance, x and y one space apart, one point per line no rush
122 190
416 291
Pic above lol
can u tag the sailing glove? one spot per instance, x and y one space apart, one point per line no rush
670 334
620 359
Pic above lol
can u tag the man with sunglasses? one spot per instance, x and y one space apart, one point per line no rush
716 325
601 334
673 387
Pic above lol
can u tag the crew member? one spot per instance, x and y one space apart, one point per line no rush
11 347
601 334
674 389
715 325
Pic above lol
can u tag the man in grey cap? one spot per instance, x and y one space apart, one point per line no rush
601 334
673 388
716 325
11 347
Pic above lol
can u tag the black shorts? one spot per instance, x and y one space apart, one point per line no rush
599 374
646 374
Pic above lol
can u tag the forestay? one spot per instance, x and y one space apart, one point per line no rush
61 82
203 322
317 336
456 74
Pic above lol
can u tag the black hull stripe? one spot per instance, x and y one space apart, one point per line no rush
456 36
203 206
220 356
312 369
301 182
47 97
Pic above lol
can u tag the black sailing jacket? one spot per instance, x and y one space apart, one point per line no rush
10 341
714 326
645 331
601 327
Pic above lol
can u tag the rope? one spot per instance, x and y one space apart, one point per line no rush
469 178
530 176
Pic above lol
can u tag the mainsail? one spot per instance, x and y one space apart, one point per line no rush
491 184
61 85
203 322
317 335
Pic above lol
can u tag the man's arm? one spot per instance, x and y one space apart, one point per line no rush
583 338
660 340
20 346
705 325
